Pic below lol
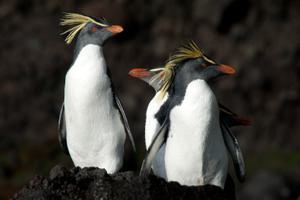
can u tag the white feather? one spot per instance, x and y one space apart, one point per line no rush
151 127
95 133
195 153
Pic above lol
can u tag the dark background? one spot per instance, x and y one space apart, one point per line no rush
259 38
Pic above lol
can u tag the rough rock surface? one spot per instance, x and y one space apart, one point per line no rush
259 38
95 183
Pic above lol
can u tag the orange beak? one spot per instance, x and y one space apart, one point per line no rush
226 69
139 73
115 29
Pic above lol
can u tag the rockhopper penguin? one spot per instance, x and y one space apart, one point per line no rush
187 132
92 123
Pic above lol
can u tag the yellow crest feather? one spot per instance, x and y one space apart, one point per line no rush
185 52
189 51
78 22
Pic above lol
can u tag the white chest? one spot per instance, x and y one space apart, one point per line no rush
195 150
152 125
95 133
195 153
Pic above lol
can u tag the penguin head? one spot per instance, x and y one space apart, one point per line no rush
150 76
189 62
205 69
91 31
96 34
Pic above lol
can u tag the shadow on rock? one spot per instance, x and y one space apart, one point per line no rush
95 183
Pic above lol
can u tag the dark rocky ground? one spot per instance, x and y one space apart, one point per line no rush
259 38
94 183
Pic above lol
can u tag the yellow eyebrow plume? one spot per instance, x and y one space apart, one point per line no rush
77 23
188 51
185 52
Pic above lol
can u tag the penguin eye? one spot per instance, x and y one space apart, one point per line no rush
203 64
94 29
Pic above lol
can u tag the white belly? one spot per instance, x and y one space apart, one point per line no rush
151 127
195 153
95 133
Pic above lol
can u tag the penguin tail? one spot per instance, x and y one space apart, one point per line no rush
243 121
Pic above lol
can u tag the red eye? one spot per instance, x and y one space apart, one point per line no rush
94 29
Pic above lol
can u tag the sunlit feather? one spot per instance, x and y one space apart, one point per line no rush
185 52
77 22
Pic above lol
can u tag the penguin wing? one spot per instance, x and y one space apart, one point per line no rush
62 131
125 122
232 119
157 142
234 150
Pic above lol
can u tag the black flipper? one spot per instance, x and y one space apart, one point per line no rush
158 140
234 150
125 122
232 119
119 106
62 131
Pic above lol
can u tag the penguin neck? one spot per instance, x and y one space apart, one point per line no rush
81 44
90 55
201 105
184 76
199 94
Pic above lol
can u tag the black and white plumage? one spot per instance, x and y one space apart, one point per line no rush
92 123
186 131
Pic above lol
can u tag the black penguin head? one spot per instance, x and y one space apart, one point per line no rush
96 34
150 76
186 64
91 31
206 69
